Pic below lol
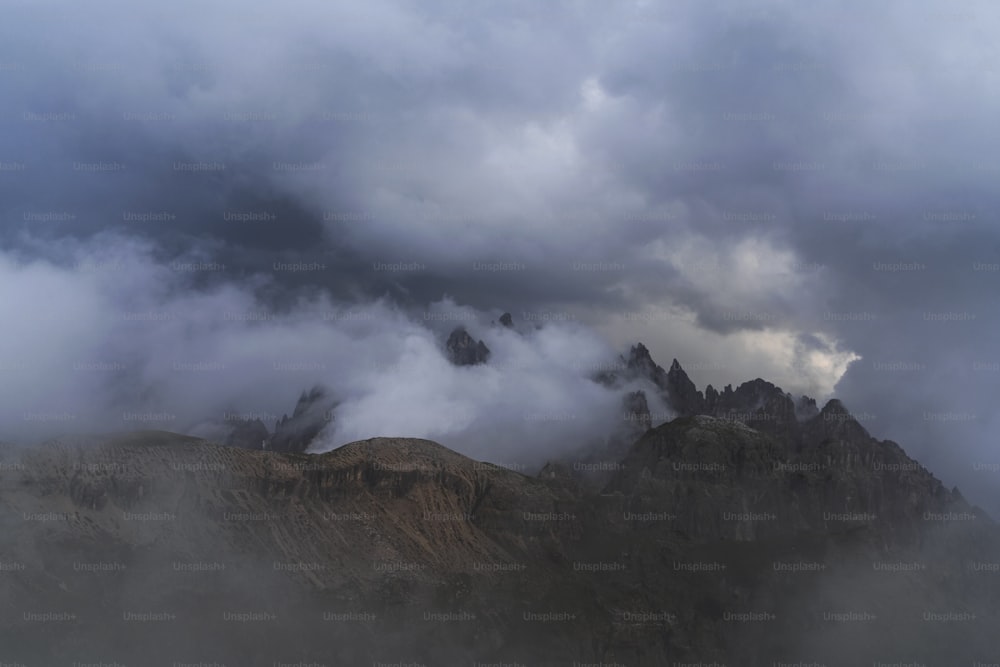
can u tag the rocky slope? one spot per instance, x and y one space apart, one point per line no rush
711 541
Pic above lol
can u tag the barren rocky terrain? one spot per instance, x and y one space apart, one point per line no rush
709 541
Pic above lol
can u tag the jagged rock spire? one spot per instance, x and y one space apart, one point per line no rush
464 350
835 422
313 412
682 395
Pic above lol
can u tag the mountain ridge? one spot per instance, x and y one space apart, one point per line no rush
753 506
396 527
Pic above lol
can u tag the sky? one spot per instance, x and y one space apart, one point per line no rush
206 208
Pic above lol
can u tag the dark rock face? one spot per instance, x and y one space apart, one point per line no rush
464 350
506 320
836 468
681 392
637 410
675 386
313 412
841 504
805 408
758 404
640 364
692 456
834 423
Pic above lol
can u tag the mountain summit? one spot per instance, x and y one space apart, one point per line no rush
464 350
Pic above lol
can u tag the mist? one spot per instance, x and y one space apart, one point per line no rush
129 344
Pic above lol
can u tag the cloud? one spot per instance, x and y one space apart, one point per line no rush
532 399
129 344
738 185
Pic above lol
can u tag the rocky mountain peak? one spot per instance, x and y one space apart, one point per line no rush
757 403
677 388
835 422
464 350
640 362
835 407
820 488
313 412
682 395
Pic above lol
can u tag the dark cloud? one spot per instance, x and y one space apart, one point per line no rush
758 189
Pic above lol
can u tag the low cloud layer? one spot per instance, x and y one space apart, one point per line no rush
125 345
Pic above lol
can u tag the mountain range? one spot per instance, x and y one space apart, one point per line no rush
746 527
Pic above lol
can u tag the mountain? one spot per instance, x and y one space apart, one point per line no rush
313 412
757 403
255 557
841 551
676 387
464 350
711 541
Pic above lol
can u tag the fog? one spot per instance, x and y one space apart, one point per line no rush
126 346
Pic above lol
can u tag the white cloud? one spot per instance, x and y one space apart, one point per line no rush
95 347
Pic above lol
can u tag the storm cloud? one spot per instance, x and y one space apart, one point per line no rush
799 192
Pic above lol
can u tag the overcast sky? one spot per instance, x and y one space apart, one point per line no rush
803 192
